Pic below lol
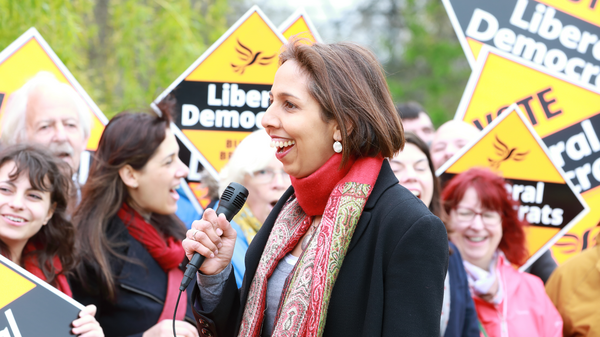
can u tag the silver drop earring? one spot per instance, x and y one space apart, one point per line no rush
337 147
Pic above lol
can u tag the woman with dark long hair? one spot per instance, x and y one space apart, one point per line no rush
414 169
128 234
484 224
346 251
34 230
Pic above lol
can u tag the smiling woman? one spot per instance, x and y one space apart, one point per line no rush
346 251
128 235
34 231
484 224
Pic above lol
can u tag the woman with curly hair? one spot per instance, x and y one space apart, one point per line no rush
484 225
34 230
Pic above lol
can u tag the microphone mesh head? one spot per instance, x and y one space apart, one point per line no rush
240 200
228 194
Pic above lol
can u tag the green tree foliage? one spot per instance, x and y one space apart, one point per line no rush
123 52
433 69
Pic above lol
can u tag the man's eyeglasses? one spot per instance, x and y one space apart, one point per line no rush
266 176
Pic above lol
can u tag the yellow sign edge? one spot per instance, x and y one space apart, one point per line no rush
39 282
217 44
33 33
300 13
486 50
514 108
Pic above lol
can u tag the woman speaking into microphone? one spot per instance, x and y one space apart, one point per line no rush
346 251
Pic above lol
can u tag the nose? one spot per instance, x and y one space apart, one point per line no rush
477 222
60 135
450 151
182 170
269 119
410 175
16 202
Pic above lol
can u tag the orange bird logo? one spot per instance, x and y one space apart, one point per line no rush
505 153
249 58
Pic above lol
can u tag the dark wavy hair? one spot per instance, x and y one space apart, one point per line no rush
46 173
348 83
493 195
129 139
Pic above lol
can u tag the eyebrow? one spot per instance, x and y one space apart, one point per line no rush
285 94
416 162
8 182
173 154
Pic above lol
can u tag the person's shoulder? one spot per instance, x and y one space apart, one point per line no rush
577 266
398 211
117 234
523 283
583 261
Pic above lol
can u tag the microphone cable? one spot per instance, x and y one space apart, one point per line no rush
231 202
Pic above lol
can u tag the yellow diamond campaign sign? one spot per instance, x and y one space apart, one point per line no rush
548 201
565 114
299 24
32 307
222 97
26 57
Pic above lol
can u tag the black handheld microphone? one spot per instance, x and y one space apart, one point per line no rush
233 199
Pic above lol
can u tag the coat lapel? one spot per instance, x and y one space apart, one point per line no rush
385 180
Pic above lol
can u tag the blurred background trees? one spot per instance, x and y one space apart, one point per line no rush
126 52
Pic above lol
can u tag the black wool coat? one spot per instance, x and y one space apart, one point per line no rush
141 288
391 282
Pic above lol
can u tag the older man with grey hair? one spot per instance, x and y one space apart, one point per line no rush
51 113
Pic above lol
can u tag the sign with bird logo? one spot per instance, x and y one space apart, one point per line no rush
24 296
30 57
548 200
299 24
223 95
563 113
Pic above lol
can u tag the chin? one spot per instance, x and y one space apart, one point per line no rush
166 210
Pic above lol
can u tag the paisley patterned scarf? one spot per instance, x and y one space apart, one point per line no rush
340 196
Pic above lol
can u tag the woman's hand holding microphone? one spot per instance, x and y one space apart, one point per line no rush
212 237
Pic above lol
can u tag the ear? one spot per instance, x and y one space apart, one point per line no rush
129 176
49 215
337 134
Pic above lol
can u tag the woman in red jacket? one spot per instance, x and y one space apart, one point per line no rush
34 231
484 225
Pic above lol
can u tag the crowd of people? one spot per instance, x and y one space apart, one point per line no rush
347 230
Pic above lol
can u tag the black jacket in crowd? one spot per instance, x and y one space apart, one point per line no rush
141 289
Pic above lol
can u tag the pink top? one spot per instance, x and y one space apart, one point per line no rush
525 309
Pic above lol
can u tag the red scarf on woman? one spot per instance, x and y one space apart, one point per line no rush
31 264
340 196
168 253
